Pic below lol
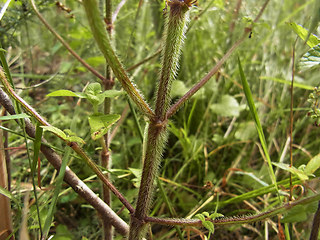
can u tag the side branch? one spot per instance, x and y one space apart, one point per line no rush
65 44
70 177
175 107
102 39
234 220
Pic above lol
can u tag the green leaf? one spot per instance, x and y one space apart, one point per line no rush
75 139
208 225
311 59
228 107
112 93
57 190
36 150
178 89
63 93
313 165
55 131
295 84
93 88
206 214
315 18
201 217
255 116
16 116
299 173
303 33
100 124
299 213
96 61
9 195
215 215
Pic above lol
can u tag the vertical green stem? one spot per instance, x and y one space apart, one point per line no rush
157 131
106 154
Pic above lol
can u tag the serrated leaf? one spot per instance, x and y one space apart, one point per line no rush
313 165
228 107
63 93
16 116
300 174
206 214
208 225
311 59
55 131
303 34
100 124
93 88
201 217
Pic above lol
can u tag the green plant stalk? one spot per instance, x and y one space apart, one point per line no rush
106 160
174 35
157 131
101 37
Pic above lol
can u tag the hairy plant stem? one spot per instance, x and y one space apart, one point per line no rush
102 39
157 131
236 219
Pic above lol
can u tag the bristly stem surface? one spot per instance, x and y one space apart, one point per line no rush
157 131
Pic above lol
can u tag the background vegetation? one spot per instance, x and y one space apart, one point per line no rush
213 147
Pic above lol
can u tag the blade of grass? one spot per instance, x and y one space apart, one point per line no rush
5 66
53 204
255 116
169 205
36 149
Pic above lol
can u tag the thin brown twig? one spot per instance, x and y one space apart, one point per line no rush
64 43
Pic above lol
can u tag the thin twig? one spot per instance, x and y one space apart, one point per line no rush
291 117
64 43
